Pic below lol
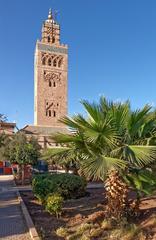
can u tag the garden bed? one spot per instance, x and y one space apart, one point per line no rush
78 211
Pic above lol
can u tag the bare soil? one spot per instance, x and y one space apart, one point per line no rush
90 208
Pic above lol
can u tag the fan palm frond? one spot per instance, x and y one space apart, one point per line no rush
98 166
92 110
137 119
142 155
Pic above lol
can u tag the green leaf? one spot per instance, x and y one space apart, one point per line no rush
143 155
98 166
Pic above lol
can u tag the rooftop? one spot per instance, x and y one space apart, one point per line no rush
43 130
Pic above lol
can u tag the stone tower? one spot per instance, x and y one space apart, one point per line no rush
50 76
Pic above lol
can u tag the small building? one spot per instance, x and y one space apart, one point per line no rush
7 128
43 134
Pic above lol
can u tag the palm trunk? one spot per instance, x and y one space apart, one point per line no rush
134 205
18 172
66 170
75 171
116 194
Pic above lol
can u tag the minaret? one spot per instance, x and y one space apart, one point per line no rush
50 76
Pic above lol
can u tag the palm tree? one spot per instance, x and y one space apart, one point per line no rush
63 157
110 140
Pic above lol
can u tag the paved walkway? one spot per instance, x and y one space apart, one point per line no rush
12 223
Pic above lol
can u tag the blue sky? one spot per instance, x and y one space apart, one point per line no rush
112 51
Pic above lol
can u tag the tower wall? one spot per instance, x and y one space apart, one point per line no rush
50 77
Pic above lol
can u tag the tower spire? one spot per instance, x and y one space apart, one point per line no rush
50 17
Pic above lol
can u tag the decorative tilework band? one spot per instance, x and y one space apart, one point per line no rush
44 47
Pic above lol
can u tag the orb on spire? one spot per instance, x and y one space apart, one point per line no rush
50 16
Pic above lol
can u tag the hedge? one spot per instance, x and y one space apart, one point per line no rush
67 185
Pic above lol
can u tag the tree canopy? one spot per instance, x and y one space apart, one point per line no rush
22 151
111 135
3 118
113 143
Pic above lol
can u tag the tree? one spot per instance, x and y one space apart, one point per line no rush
111 141
3 137
4 141
3 118
22 151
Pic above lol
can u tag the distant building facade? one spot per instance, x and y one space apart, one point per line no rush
7 128
50 84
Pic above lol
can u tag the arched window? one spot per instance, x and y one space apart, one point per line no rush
46 113
49 61
60 63
54 84
48 38
49 83
54 63
49 113
54 113
44 61
53 40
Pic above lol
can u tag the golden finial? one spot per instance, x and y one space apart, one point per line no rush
50 14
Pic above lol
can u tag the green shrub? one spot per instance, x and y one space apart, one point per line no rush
54 204
67 185
62 232
84 237
106 224
83 227
96 232
40 189
74 236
